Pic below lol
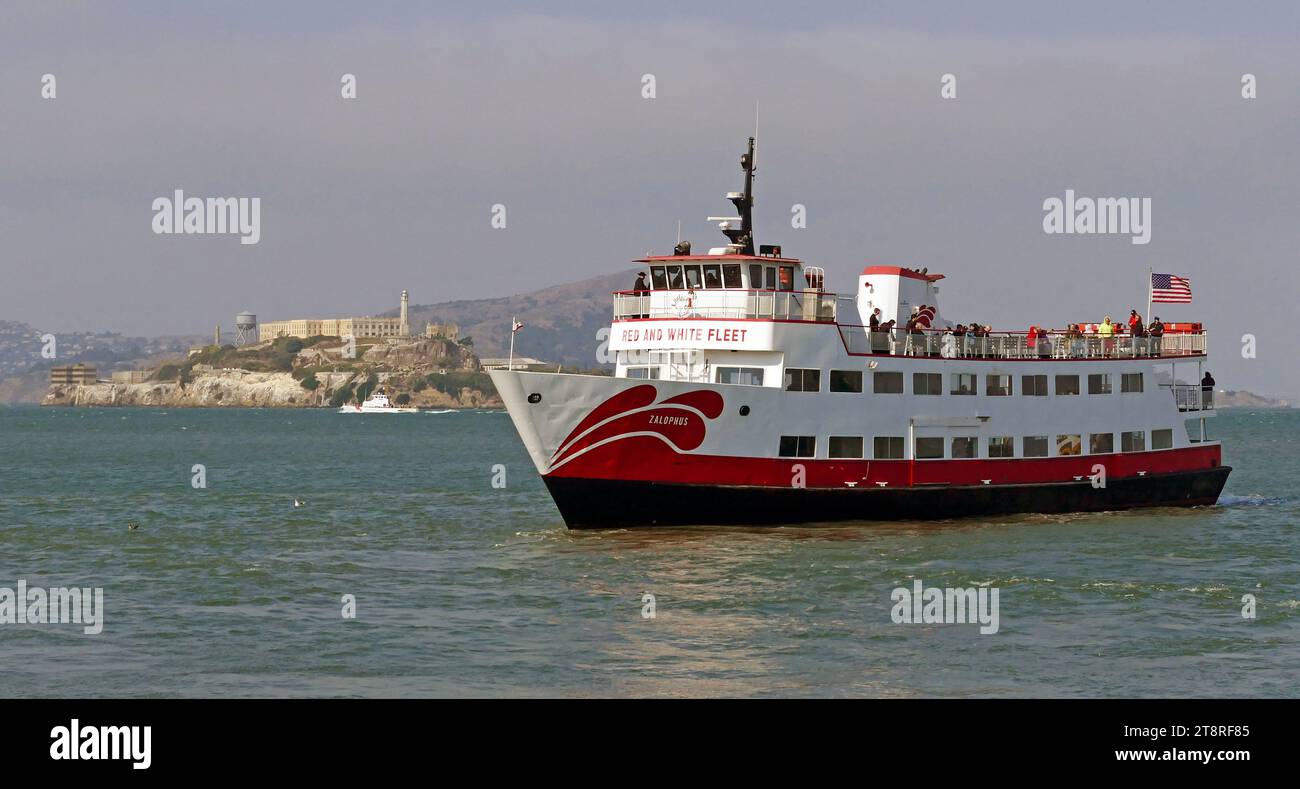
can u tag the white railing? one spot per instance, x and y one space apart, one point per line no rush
781 305
1192 397
1018 345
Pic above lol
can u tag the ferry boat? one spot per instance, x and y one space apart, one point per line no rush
744 393
377 403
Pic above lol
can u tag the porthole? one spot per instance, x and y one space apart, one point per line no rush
535 397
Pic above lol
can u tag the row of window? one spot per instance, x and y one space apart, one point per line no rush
932 447
995 385
710 276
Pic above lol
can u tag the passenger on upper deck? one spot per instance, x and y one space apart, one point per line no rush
1157 331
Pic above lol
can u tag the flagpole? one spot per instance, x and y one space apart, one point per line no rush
1148 296
510 363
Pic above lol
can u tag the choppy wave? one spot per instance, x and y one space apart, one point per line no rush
1253 500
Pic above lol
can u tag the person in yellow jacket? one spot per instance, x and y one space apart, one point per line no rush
1106 330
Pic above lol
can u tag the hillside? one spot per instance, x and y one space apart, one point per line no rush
561 322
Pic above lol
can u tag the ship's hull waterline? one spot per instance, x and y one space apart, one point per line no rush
605 503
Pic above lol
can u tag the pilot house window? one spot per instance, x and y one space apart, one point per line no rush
693 280
712 275
675 277
731 275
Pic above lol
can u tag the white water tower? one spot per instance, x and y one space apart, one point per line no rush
245 328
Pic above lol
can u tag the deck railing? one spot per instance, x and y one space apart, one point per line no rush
1192 397
1018 345
781 305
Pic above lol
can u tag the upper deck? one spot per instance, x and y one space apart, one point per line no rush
711 300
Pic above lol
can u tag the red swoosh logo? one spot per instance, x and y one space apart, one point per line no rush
676 420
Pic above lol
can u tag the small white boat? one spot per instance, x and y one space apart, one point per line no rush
376 404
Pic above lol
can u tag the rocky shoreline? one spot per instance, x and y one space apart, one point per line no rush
242 389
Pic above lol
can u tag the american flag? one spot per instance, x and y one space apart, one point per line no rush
1169 289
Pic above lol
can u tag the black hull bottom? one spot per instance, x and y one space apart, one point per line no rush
598 503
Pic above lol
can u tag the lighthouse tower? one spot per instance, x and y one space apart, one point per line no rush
405 327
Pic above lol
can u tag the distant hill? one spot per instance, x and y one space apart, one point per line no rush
560 323
1231 398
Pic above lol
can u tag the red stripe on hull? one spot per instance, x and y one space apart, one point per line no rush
649 459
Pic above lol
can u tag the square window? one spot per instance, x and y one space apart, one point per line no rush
1071 444
963 384
1162 439
1034 447
887 383
997 385
800 380
927 383
1130 382
1135 441
845 447
712 275
798 446
888 448
846 380
1067 384
1002 447
929 448
1033 385
1099 383
745 376
965 447
1101 443
731 275
675 277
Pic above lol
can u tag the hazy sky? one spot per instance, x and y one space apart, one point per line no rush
540 109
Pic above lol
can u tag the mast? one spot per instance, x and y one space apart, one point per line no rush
744 202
